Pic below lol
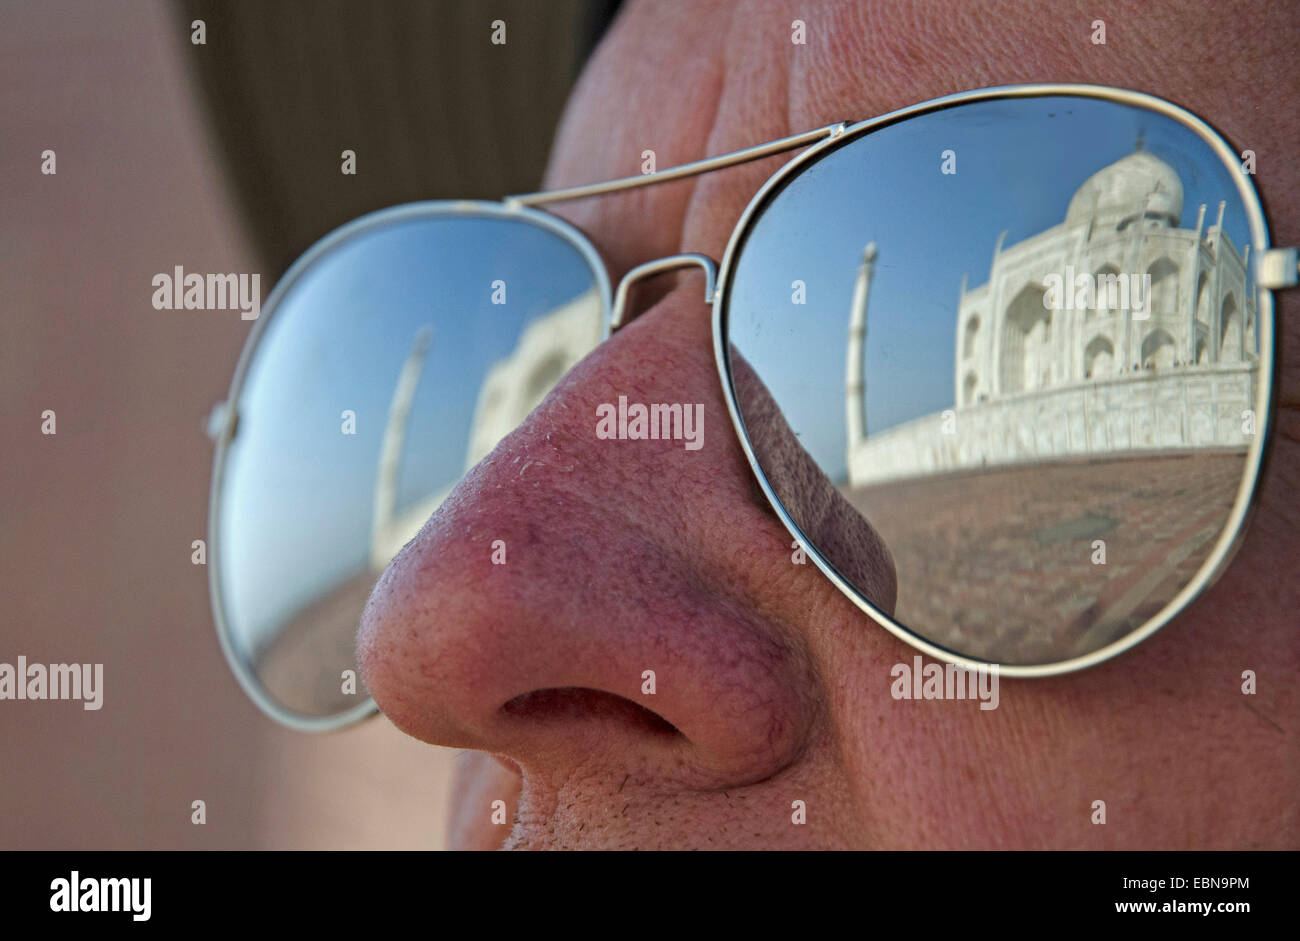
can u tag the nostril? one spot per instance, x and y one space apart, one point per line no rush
581 703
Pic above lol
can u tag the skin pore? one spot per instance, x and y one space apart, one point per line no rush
771 686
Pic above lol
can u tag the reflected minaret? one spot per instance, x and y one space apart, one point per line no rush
382 524
854 383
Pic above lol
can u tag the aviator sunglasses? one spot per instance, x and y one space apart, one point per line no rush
1025 332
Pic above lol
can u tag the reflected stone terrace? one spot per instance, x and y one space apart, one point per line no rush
997 565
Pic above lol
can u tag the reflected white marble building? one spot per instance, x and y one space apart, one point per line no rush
1035 383
512 387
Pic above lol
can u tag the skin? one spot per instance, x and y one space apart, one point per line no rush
775 686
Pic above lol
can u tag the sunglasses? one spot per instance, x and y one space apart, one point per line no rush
1026 333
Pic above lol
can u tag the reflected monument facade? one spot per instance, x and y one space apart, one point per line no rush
1113 332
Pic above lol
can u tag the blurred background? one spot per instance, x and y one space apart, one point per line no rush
216 157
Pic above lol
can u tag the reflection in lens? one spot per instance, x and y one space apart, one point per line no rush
391 364
1028 354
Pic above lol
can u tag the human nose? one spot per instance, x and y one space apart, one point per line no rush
594 597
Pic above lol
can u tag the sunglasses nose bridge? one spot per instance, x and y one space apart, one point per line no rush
619 316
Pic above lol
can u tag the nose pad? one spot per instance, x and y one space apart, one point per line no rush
619 316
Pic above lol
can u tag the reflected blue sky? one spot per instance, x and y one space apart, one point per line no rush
1018 164
298 494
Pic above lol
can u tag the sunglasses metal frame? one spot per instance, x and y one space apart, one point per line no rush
1275 269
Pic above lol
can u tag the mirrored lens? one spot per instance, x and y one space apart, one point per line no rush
396 357
1020 339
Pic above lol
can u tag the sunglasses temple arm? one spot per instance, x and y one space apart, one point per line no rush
677 173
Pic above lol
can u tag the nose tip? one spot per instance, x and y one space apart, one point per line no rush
530 619
582 599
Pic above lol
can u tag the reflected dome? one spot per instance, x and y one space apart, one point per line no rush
1125 189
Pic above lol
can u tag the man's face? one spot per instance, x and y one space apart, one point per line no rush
771 687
